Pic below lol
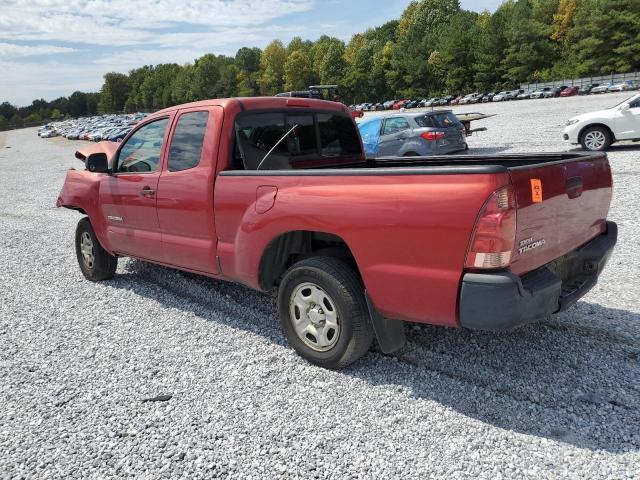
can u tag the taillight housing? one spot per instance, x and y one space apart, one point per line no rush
432 136
494 234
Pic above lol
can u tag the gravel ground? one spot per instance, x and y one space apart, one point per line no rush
556 399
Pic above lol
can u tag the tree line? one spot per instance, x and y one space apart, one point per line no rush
434 48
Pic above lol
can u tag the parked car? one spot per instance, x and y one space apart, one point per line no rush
601 88
524 95
619 87
399 104
470 99
456 100
258 211
587 90
554 91
488 97
598 130
540 93
570 92
413 134
500 97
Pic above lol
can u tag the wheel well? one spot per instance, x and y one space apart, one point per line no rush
411 153
613 137
291 247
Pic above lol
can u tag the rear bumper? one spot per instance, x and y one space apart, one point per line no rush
503 300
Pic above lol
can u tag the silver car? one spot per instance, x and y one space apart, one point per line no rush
413 134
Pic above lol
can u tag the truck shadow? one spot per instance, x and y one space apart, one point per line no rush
573 379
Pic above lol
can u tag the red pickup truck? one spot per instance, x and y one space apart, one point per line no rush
276 193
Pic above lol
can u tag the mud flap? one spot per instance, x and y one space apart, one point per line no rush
389 333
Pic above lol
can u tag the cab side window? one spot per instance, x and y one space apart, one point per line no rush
188 137
141 152
395 125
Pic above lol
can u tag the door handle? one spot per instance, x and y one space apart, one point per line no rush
147 192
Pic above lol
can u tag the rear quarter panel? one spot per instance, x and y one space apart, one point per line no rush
409 234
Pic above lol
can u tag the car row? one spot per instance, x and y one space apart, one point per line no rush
104 127
501 96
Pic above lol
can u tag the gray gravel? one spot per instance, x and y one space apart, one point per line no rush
556 399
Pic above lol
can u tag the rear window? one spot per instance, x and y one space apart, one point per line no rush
338 136
445 120
302 139
424 121
186 146
279 141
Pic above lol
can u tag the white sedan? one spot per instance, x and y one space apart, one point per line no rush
597 130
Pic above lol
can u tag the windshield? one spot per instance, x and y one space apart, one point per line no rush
628 100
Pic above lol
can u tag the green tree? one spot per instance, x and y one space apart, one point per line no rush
248 59
606 36
15 121
530 51
272 62
114 92
4 123
32 120
298 71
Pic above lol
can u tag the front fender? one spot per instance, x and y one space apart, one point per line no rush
81 192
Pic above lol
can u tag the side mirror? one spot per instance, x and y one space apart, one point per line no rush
625 107
98 163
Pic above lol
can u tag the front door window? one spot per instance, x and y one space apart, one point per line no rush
141 151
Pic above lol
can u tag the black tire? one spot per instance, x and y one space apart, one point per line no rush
411 154
598 132
345 289
103 266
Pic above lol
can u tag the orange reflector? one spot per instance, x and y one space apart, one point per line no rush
536 190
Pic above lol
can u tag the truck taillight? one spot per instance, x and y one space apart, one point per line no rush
494 234
432 136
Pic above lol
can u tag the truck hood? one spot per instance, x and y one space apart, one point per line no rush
101 147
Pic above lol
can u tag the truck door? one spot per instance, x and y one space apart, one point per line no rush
128 197
185 190
394 132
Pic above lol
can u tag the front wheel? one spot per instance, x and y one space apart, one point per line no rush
595 139
95 262
323 312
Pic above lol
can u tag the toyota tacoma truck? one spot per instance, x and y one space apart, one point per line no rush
276 194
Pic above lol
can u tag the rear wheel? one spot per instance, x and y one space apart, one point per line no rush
95 262
595 139
323 312
411 154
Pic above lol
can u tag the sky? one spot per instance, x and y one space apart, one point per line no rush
51 48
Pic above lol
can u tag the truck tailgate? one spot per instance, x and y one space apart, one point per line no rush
560 206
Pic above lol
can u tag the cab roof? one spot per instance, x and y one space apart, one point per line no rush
259 103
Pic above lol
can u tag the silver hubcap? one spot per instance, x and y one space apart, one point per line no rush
314 316
86 247
594 140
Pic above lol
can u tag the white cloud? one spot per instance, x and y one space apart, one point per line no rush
118 35
10 50
21 83
123 22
